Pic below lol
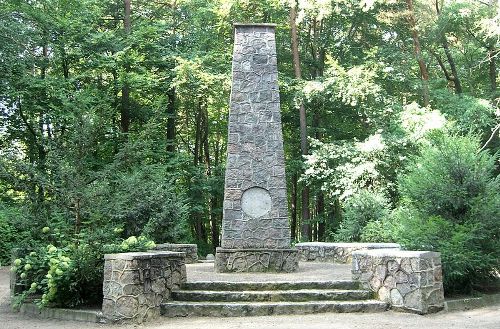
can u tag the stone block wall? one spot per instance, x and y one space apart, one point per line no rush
190 250
135 284
407 280
336 252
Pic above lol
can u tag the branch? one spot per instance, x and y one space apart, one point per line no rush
25 120
491 138
483 3
441 64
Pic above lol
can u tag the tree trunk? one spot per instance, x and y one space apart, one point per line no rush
418 53
453 67
305 227
171 120
293 205
197 134
214 223
449 57
125 108
197 217
320 208
443 67
42 153
492 54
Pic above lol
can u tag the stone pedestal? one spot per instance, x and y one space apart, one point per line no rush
256 260
255 215
407 280
135 284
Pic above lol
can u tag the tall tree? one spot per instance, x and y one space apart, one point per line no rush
424 74
451 61
305 225
125 106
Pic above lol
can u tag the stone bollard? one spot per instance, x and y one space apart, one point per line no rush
408 280
136 283
191 250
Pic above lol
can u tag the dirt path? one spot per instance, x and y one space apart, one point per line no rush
484 318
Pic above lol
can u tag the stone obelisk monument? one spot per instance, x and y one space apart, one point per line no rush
255 228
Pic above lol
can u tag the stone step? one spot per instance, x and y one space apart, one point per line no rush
221 309
271 285
270 296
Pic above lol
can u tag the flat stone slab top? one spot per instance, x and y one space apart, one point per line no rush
143 255
397 253
337 252
364 245
190 250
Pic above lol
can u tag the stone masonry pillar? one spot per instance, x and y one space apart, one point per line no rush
255 228
136 283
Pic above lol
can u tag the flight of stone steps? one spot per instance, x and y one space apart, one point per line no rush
269 298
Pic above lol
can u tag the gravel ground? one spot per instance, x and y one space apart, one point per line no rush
483 318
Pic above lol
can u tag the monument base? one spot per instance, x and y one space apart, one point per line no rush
256 260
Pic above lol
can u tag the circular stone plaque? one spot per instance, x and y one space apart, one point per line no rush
256 202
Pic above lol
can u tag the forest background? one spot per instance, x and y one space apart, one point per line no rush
113 125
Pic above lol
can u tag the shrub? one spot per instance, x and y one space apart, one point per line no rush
387 228
451 179
72 275
146 201
362 208
464 261
11 230
451 205
7 234
469 114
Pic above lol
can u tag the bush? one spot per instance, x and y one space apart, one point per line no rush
9 233
469 114
464 262
387 228
451 179
451 205
145 201
362 208
72 275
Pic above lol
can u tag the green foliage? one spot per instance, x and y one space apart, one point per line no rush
342 169
8 237
451 204
67 162
450 179
362 208
469 114
72 275
387 228
12 230
466 260
145 202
